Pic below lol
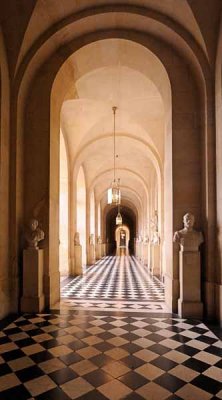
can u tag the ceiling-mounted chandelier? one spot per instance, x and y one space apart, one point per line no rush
114 194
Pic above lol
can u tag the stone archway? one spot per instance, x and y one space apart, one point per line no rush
122 236
172 196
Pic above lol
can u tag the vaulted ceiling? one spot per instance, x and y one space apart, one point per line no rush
121 73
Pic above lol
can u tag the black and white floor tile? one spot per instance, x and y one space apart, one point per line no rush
85 355
116 282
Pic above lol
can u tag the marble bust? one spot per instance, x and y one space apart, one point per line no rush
188 238
91 238
34 234
155 233
155 238
76 239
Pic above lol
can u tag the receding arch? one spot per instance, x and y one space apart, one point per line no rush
174 222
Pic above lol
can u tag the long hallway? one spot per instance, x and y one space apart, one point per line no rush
115 282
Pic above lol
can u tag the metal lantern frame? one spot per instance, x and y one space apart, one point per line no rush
114 194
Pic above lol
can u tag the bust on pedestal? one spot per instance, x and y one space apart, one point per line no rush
33 298
189 240
77 254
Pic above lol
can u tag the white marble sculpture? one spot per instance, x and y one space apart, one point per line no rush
188 238
33 234
76 239
155 233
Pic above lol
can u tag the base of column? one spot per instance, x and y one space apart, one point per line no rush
218 301
209 300
51 288
33 304
155 260
98 251
103 249
92 257
188 309
171 293
78 260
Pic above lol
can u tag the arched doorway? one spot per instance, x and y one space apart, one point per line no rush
129 225
122 236
172 216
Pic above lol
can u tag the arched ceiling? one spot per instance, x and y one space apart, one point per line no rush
49 13
143 98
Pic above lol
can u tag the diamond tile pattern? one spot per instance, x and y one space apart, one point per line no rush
67 355
114 283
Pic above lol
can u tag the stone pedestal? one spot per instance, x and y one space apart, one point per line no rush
189 303
33 300
78 259
136 249
98 251
139 250
103 249
189 240
92 256
155 259
145 253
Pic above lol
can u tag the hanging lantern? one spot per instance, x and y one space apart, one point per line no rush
119 219
113 194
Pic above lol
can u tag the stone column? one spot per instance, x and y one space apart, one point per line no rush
33 300
78 255
189 240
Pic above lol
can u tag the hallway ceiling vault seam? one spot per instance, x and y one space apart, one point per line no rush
80 158
150 149
96 180
129 189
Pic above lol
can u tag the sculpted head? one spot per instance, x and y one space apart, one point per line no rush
188 220
33 224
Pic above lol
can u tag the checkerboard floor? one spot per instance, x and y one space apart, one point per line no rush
67 355
118 282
